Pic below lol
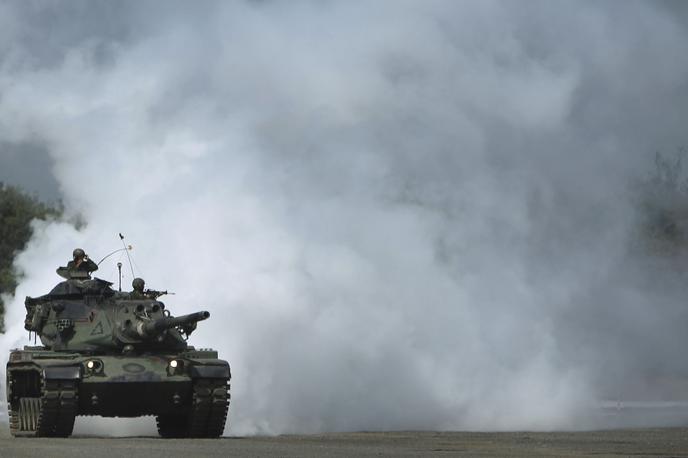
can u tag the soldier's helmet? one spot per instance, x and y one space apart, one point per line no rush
138 284
78 253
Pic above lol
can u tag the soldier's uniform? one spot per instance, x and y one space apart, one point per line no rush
79 268
86 265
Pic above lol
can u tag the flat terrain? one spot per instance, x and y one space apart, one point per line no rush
626 442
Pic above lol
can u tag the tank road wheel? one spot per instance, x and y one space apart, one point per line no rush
51 415
172 426
25 420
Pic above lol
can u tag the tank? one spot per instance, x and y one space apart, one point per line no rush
113 354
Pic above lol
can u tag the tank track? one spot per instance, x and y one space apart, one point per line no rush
50 415
207 415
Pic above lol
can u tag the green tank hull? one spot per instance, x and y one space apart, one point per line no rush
187 392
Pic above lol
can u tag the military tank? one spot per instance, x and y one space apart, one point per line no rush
113 354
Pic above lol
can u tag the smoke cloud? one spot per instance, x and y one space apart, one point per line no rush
401 215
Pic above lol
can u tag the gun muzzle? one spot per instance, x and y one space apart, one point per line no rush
155 327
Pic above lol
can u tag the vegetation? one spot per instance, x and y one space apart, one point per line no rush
17 210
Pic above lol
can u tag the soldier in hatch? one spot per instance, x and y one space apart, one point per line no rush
139 293
81 263
79 268
138 284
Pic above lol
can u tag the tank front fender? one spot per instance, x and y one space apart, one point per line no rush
209 372
62 373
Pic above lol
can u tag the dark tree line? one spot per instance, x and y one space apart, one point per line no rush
17 210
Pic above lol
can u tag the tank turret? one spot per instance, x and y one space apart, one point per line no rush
89 316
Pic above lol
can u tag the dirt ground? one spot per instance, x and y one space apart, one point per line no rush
612 443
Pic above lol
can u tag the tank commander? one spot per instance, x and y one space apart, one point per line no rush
81 263
79 268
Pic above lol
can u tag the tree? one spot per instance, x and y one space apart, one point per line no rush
17 210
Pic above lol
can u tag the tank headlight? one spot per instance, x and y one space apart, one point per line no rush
94 366
175 367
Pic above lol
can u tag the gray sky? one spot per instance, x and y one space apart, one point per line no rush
29 166
388 207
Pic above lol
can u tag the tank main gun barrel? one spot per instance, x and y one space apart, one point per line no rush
155 327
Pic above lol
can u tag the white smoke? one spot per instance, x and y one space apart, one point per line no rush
401 215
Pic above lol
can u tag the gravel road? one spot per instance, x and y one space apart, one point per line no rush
613 443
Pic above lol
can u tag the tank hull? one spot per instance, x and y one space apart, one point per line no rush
134 399
188 390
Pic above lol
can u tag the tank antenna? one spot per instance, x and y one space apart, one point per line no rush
128 257
129 247
119 267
